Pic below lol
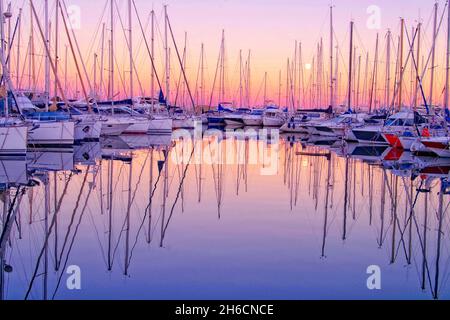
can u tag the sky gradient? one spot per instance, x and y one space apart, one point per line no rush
266 27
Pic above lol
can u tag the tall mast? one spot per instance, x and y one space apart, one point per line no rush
331 58
279 89
152 78
287 84
222 69
388 70
400 87
18 48
433 53
32 57
265 89
336 76
47 57
350 67
167 58
366 78
2 52
102 58
373 91
111 57
130 41
301 89
95 75
447 75
56 49
66 62
358 81
249 78
202 76
8 11
294 91
416 90
240 78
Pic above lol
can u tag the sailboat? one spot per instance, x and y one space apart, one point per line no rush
13 132
440 145
47 129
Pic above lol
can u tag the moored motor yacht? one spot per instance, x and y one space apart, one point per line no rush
254 118
387 134
274 117
236 118
298 122
438 145
338 126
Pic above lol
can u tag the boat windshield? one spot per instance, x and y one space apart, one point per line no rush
399 122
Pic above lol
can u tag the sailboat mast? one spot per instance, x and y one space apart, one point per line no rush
294 91
400 87
111 59
32 57
358 81
222 69
331 58
388 70
56 50
301 86
130 42
433 54
265 89
95 75
47 57
249 87
336 76
66 62
373 90
152 48
350 67
279 89
447 67
240 78
100 85
202 77
19 34
167 58
2 51
419 28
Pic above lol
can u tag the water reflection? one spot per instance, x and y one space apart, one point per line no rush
141 225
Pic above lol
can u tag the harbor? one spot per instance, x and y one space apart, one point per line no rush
150 165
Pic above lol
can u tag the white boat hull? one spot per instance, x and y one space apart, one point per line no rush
440 146
138 126
407 142
273 122
52 133
183 123
160 125
113 127
253 121
13 140
87 129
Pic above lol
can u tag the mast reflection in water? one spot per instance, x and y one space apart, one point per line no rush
139 225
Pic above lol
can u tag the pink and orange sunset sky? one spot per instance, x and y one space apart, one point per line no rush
269 28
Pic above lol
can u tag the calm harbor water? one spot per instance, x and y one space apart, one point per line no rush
139 227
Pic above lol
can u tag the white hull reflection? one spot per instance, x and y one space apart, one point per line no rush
13 173
51 160
87 153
